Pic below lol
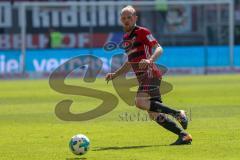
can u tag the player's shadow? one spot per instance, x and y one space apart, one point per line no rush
125 147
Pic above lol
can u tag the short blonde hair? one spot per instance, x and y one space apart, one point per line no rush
128 8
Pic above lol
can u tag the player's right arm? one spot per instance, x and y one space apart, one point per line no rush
123 69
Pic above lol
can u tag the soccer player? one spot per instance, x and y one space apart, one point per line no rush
141 56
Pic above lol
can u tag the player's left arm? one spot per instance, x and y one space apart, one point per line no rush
157 51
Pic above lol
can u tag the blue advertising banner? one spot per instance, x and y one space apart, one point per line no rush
9 62
45 61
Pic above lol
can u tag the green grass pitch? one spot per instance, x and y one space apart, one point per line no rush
30 130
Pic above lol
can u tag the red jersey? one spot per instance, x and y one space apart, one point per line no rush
140 43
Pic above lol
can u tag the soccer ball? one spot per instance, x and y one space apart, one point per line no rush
79 144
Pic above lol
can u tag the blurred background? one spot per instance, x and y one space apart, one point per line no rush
198 36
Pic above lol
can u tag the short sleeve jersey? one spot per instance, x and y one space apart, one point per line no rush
139 44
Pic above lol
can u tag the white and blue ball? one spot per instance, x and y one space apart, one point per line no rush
79 144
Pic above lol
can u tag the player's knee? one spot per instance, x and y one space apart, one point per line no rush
139 102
